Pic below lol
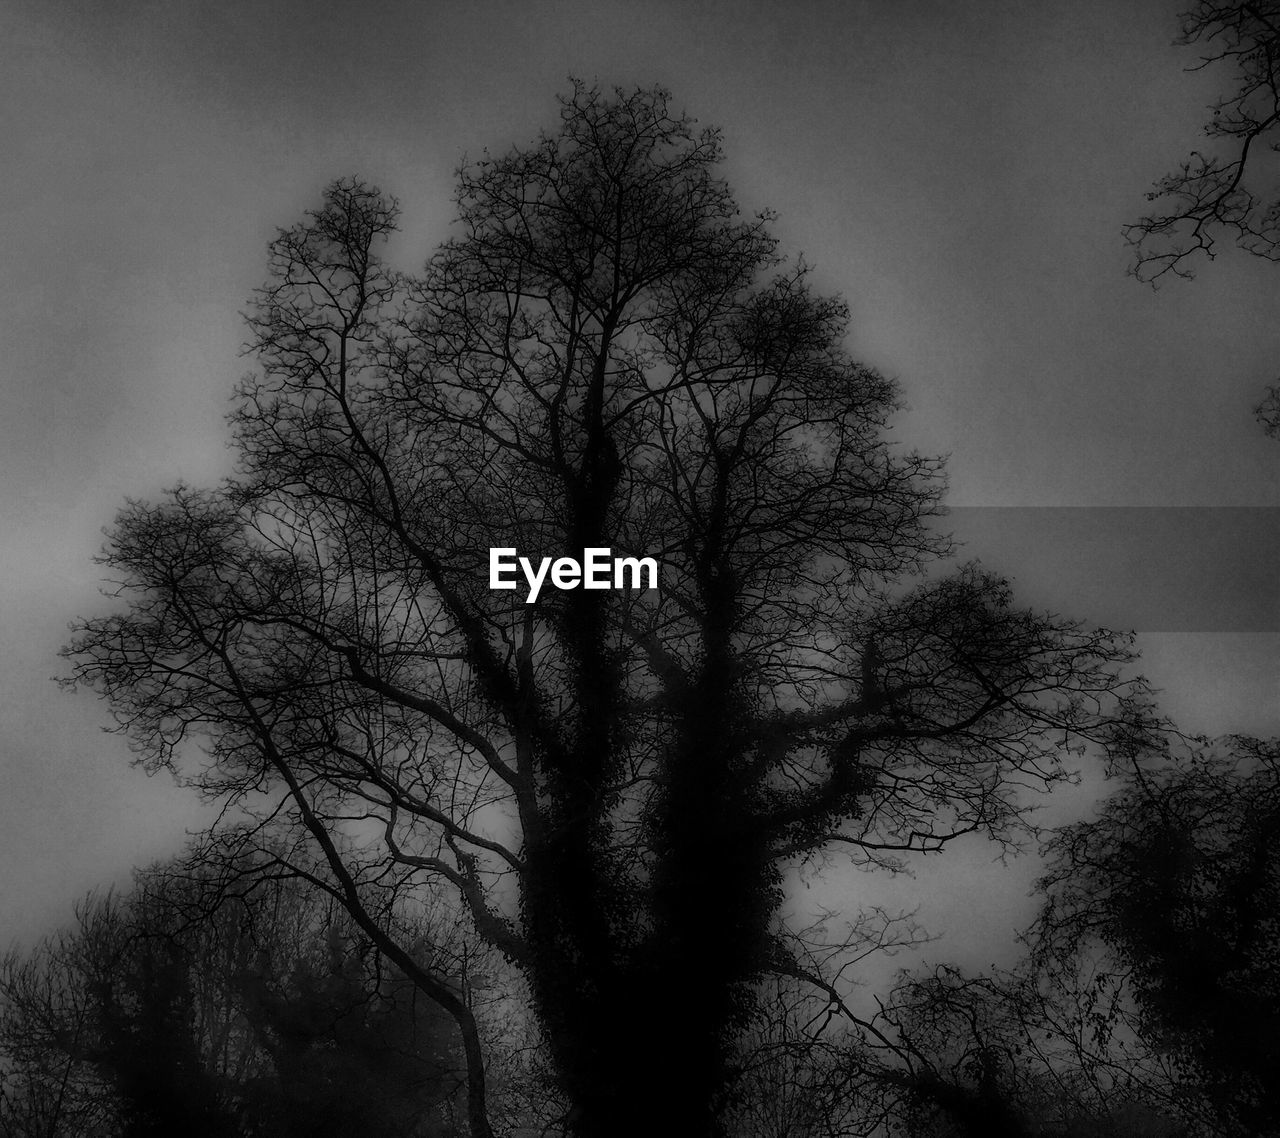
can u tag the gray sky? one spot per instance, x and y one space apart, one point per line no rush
960 172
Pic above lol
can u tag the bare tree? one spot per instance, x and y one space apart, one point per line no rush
1226 191
1267 411
1177 882
793 1077
46 1018
1147 1001
267 1014
1232 189
1031 1051
614 781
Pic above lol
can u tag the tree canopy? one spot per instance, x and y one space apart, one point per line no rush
1225 190
1230 190
614 783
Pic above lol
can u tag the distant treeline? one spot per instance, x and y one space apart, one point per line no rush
234 1001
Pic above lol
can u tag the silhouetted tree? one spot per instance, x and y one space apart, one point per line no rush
156 1016
1232 189
48 1019
1179 880
146 1048
607 355
109 1011
792 1075
1268 411
1226 191
351 1052
1148 1001
1027 1052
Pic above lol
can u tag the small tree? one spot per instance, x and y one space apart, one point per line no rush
615 782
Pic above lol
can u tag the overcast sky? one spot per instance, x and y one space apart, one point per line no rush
960 172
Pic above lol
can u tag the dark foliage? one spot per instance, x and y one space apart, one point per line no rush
270 1016
1180 879
1147 1004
